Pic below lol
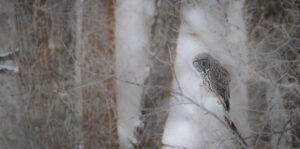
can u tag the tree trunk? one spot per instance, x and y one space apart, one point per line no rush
156 94
10 132
46 42
97 63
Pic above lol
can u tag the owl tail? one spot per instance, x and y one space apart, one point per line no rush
227 106
234 130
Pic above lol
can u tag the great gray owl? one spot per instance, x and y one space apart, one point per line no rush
215 77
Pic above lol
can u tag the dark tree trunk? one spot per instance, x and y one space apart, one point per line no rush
156 94
46 42
97 63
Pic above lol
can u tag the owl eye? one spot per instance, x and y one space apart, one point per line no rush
204 64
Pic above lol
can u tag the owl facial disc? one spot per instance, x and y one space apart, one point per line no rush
202 65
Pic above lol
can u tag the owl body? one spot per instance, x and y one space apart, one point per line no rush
215 77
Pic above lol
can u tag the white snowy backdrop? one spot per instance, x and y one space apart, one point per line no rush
247 37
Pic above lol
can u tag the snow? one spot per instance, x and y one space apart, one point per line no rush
133 21
5 54
14 69
63 94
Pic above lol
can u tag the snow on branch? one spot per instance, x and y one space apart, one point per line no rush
8 55
6 68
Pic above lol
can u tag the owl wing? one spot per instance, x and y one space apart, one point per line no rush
221 80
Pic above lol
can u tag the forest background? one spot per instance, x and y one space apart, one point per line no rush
86 74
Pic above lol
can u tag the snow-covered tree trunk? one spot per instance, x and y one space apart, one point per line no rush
97 64
46 41
156 94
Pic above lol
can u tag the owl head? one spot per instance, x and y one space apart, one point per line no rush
203 62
